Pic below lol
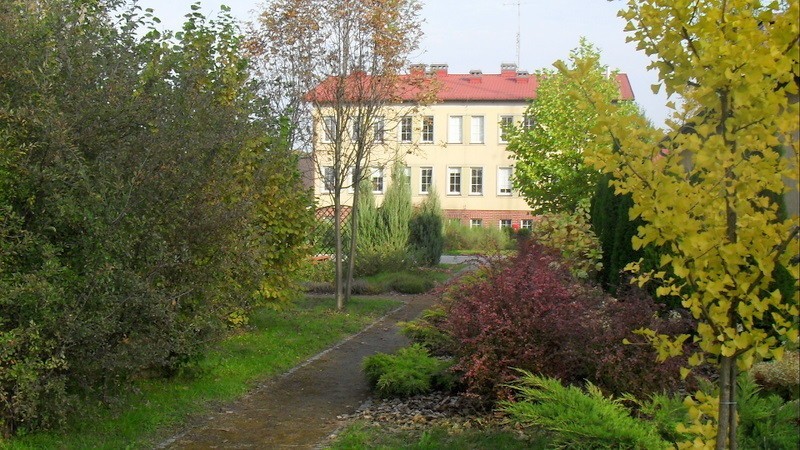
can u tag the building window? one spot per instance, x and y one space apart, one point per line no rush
351 175
454 130
454 180
476 181
505 123
475 223
407 173
356 130
476 130
527 224
504 181
378 129
328 128
528 122
406 125
328 178
377 180
505 223
427 129
425 180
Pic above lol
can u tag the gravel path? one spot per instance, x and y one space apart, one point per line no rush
300 408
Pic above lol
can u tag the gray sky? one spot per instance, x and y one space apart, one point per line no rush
481 34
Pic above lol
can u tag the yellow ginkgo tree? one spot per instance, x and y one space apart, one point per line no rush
707 193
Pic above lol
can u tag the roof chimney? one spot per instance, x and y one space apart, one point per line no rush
522 76
508 69
438 69
417 69
475 76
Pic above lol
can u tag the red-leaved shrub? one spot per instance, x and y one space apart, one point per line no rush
533 315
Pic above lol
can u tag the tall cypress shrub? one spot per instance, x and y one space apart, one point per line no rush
427 236
615 230
396 211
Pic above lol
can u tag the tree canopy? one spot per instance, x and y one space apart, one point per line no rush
548 145
706 195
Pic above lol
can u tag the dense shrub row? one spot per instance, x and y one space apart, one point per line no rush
532 314
145 198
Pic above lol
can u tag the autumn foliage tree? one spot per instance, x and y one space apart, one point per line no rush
706 195
340 62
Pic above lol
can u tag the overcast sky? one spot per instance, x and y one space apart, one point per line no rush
481 34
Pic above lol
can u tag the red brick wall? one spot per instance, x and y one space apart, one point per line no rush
491 218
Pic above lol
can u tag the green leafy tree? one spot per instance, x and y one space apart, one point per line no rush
707 194
144 190
548 146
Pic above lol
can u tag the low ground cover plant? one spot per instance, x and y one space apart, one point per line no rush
427 332
579 418
409 371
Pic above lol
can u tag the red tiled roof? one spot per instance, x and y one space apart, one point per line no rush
506 86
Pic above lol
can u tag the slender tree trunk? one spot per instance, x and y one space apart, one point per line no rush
351 255
337 232
726 430
734 415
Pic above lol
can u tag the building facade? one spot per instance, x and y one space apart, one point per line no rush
453 147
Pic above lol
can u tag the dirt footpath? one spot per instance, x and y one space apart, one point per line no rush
299 408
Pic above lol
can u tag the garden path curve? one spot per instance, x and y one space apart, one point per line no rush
299 409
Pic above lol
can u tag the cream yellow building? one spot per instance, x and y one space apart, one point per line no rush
455 144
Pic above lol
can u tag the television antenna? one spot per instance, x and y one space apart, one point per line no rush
518 4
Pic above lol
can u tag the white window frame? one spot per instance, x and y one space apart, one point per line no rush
406 129
455 130
504 119
425 188
328 179
504 185
476 223
377 180
477 134
351 175
451 171
505 223
328 129
528 122
472 184
526 224
427 130
378 129
356 129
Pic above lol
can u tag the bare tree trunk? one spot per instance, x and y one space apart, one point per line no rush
734 415
337 232
351 255
726 430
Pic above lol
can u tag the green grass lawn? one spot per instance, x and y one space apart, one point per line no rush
274 342
361 436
